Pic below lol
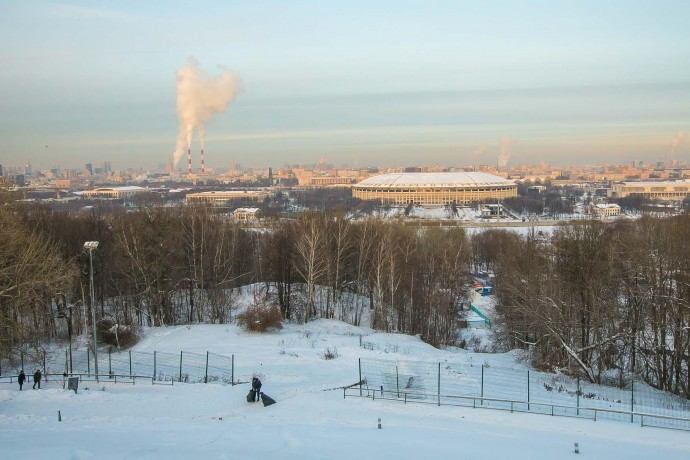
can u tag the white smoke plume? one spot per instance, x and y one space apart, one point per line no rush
504 156
199 97
479 152
678 139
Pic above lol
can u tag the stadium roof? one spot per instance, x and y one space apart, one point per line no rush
442 179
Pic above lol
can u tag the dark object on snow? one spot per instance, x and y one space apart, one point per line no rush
267 400
251 395
256 387
73 384
37 379
21 378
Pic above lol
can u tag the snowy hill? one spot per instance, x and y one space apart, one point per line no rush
311 418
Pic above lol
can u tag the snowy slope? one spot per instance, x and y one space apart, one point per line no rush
310 420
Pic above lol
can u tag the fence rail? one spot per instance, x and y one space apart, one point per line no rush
158 366
537 392
680 423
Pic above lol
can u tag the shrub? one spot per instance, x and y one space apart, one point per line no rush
259 318
329 353
116 335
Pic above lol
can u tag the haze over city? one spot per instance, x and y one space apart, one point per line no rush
405 82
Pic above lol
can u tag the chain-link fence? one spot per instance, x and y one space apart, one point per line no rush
159 366
520 390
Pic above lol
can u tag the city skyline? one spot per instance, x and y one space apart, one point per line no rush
397 83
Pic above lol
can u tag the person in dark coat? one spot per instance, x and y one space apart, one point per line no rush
37 379
256 386
21 378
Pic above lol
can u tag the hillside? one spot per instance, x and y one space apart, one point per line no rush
310 420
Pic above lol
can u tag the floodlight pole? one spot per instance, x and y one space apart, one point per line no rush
90 246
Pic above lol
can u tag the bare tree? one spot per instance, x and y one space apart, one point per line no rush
338 253
311 263
32 273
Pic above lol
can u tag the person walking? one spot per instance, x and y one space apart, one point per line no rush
37 379
256 387
21 378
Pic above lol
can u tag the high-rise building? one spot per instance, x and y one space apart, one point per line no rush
89 168
1 172
27 169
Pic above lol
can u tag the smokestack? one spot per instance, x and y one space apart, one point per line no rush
202 161
189 161
199 97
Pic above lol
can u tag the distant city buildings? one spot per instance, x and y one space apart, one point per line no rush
113 193
225 198
657 190
246 214
605 210
419 184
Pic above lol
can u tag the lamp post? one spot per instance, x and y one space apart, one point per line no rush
91 246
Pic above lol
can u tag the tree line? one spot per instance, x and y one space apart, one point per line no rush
601 300
604 301
158 266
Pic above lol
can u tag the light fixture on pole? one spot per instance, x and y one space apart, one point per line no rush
91 246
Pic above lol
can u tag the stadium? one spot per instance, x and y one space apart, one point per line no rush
434 188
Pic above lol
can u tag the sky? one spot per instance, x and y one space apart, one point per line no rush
356 83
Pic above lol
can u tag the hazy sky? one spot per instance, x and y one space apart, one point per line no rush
353 82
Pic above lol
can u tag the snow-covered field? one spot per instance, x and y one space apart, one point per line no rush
311 419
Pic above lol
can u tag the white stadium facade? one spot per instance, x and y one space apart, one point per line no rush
434 188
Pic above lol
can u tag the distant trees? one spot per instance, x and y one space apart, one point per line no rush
598 297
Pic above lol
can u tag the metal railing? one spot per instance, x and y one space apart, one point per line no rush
671 422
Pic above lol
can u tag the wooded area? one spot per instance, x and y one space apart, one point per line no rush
601 300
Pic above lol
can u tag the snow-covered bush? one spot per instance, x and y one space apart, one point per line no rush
260 318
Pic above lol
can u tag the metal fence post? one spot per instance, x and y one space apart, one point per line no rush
180 379
206 375
528 390
482 390
232 370
397 381
632 400
88 362
439 384
130 363
110 363
45 369
154 365
360 376
66 361
577 393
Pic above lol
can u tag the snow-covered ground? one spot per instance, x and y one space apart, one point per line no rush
311 419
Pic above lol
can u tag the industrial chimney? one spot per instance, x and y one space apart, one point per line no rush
202 161
189 161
